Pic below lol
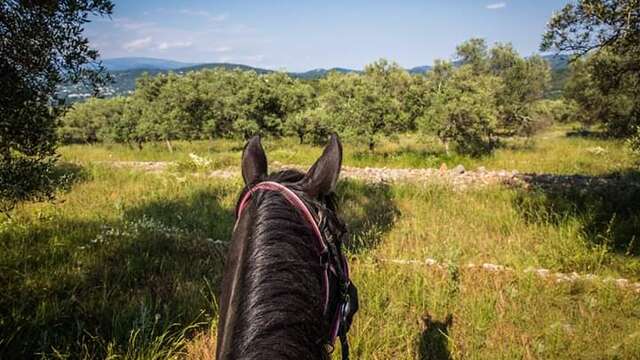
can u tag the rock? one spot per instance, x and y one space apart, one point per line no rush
598 150
458 170
443 168
482 170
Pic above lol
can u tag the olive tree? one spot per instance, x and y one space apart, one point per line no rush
41 46
462 109
606 33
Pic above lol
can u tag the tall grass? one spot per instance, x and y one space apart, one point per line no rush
126 264
552 152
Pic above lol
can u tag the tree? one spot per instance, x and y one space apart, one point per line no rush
607 34
613 105
391 79
312 125
41 46
462 109
473 52
94 120
524 83
359 107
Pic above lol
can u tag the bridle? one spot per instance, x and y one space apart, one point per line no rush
329 232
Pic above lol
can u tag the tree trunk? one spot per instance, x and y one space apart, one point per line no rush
169 145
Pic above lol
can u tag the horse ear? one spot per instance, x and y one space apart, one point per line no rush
254 161
322 177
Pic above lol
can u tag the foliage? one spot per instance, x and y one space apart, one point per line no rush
96 120
604 93
473 52
524 83
313 125
364 107
606 33
544 113
462 109
41 46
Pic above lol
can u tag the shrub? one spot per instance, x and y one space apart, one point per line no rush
463 111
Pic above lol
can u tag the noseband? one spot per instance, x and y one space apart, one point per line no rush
329 232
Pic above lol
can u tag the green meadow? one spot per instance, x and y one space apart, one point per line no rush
126 264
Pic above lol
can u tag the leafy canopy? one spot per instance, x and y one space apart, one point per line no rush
41 45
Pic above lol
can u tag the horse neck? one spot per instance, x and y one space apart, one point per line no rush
274 285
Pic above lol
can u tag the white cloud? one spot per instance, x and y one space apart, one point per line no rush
138 44
205 14
174 45
496 6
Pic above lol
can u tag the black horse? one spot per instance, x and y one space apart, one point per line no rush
286 292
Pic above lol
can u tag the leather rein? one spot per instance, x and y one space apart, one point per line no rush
333 261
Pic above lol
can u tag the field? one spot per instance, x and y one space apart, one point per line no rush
125 264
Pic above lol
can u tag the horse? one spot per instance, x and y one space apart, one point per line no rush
286 291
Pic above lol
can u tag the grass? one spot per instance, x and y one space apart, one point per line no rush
551 151
126 265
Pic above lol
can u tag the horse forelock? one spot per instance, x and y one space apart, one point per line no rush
273 283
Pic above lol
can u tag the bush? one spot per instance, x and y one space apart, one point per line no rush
463 111
311 126
545 113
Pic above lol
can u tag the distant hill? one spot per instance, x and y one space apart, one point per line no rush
227 66
135 63
557 62
559 74
125 71
320 73
420 69
124 81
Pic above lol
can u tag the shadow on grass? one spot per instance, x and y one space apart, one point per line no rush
588 134
369 210
67 174
434 340
92 289
85 289
607 207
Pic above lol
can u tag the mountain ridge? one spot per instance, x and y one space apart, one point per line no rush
136 63
125 71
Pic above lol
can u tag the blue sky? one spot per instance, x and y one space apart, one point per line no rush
302 35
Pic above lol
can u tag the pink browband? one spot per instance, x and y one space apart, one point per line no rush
294 200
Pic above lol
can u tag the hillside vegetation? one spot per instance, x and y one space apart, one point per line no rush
490 93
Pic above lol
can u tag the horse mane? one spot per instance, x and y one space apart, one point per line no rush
280 288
